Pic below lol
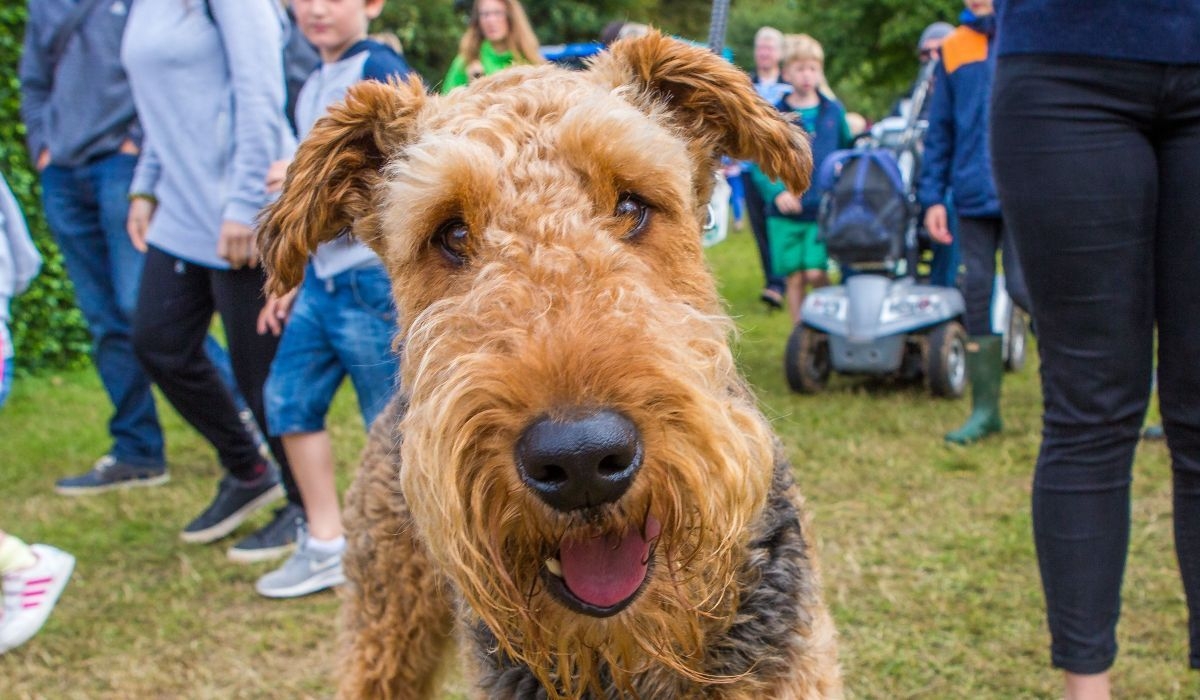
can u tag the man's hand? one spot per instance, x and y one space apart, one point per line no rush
129 148
936 224
787 203
43 160
275 313
236 245
137 222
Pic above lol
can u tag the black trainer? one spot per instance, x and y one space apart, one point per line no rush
273 540
109 473
235 501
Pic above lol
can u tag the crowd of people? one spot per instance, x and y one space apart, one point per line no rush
160 129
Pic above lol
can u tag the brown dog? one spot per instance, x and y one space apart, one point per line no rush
574 476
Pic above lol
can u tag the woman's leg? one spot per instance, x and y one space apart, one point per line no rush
1177 306
238 297
175 307
1078 181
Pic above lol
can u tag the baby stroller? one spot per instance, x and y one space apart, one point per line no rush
881 320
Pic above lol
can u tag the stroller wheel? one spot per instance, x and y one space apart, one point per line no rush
806 360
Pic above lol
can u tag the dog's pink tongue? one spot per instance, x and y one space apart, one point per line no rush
604 571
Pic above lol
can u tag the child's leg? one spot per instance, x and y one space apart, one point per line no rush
795 294
786 256
815 260
311 456
305 376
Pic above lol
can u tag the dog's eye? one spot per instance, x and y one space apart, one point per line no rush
635 211
451 240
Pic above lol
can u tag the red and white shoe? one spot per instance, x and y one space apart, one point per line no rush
30 595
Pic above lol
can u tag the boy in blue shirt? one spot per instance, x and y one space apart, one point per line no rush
339 322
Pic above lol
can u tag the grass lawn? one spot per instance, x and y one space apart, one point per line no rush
927 552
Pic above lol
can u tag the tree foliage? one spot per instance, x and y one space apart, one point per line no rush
870 45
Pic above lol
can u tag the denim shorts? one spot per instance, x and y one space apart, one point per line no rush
339 326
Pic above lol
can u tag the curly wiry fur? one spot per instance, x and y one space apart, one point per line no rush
549 299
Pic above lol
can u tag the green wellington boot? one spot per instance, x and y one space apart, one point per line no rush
985 369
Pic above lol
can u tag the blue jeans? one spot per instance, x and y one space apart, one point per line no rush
339 326
86 207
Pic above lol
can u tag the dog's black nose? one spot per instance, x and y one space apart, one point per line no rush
580 462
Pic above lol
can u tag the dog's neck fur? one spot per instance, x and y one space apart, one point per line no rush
762 641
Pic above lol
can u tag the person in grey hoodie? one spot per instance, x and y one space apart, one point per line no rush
207 79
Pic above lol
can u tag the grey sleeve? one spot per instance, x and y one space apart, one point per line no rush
252 34
145 174
37 79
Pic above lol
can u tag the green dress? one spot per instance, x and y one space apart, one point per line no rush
488 58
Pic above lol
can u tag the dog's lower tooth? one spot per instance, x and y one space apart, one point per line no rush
554 567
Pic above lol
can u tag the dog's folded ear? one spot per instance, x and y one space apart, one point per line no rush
710 101
332 182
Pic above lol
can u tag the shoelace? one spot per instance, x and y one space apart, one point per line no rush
105 463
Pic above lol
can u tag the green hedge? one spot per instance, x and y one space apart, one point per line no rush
49 332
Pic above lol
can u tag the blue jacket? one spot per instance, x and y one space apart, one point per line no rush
956 146
827 139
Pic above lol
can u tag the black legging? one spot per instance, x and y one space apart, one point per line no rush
756 211
1097 163
176 303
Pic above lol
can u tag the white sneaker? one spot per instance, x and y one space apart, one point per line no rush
304 572
30 595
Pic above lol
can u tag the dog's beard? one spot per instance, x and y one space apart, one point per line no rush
690 592
496 540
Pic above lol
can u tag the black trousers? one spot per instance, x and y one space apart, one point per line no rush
1097 163
175 307
756 211
978 241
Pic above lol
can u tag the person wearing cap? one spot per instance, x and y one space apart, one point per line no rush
957 166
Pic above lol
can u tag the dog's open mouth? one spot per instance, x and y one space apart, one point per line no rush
601 576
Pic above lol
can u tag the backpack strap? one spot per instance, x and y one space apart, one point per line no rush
67 29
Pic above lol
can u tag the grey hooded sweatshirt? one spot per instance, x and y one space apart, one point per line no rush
209 90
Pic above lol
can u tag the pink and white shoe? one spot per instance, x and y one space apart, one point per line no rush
30 595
